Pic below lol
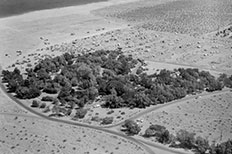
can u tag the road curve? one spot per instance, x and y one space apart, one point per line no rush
73 123
167 104
139 142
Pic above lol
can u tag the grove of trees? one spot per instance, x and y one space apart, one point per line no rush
79 79
187 140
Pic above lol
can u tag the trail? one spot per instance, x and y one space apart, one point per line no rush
106 128
3 89
154 108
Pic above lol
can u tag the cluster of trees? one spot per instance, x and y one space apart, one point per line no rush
223 148
79 79
200 145
187 140
161 134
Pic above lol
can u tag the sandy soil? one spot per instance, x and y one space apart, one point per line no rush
38 29
24 133
209 117
180 34
52 32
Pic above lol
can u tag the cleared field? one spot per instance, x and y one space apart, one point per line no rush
209 117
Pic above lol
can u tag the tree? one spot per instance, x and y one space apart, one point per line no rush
92 93
201 145
35 103
160 132
68 56
43 105
149 132
163 136
80 113
186 139
223 148
113 101
43 74
107 120
12 85
140 100
47 98
117 85
131 127
157 127
50 90
27 93
64 92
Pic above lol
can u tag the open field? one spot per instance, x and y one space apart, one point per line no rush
29 32
209 117
22 132
177 49
181 16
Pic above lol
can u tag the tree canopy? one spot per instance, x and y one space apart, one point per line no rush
79 79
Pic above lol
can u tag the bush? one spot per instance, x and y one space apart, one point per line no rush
110 112
201 145
107 120
157 127
80 113
35 103
186 139
43 105
223 148
131 127
47 99
149 132
27 93
162 135
50 90
96 118
113 101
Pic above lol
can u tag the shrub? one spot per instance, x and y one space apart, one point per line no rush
43 105
35 103
50 90
186 139
27 92
149 132
96 118
107 120
47 99
80 113
131 127
110 112
202 145
162 135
